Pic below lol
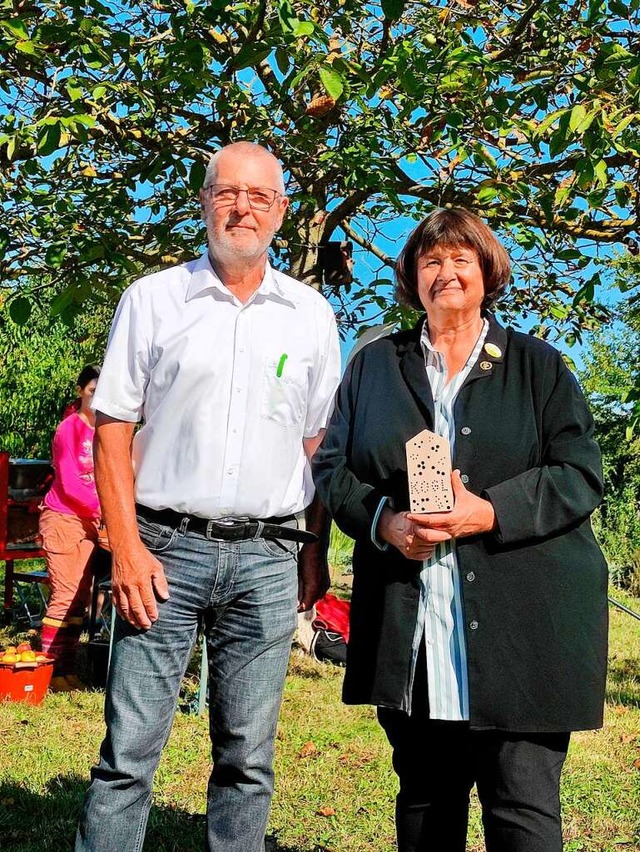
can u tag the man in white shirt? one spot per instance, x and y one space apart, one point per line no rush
232 367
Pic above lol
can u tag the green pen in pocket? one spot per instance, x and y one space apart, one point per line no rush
280 367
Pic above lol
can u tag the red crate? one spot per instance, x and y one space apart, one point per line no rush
25 682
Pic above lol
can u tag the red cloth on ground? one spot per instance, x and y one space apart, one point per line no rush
333 615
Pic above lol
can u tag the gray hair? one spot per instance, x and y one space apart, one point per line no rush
249 149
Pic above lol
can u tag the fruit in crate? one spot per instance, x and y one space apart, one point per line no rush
27 658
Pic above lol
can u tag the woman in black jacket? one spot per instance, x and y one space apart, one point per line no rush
480 633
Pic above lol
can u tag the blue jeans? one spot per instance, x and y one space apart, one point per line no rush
244 594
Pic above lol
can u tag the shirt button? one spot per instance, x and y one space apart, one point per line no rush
466 430
464 478
230 471
473 625
471 576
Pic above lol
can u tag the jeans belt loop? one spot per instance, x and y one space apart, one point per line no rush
184 523
259 530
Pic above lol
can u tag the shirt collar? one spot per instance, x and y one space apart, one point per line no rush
204 277
431 354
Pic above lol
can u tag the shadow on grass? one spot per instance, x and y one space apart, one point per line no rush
46 822
623 685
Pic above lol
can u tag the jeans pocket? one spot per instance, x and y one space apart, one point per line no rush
156 537
280 548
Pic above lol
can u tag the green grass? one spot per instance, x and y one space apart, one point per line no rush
334 785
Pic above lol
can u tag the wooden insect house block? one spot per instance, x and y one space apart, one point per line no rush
429 472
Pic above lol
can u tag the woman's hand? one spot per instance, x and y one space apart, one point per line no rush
397 529
471 515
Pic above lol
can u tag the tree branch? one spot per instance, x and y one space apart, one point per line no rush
367 244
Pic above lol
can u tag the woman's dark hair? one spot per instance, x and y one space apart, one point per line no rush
87 374
452 228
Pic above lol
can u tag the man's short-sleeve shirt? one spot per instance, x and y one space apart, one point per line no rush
226 391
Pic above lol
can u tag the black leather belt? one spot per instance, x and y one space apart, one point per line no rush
228 529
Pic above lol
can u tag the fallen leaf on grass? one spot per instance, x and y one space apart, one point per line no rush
308 749
326 812
625 739
619 710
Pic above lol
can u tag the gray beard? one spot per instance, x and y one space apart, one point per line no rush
228 253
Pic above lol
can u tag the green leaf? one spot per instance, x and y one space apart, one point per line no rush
196 175
392 9
26 47
546 123
600 172
626 121
5 240
249 55
55 255
16 27
286 16
558 142
49 140
92 252
332 81
20 310
61 301
619 8
85 120
486 193
282 60
568 254
74 90
302 28
578 114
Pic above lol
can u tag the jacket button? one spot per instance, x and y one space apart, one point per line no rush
464 478
473 625
466 430
471 576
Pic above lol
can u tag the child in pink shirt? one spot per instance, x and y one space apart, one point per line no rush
69 526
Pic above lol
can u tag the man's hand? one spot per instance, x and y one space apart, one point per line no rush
398 529
471 515
137 578
137 582
313 575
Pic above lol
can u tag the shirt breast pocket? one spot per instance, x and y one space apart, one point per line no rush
283 399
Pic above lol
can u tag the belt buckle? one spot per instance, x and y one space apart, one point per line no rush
214 524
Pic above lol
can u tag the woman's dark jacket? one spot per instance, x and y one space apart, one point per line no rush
535 591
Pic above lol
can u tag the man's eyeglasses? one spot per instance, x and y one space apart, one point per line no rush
258 197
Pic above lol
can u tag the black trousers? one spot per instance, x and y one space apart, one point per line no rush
517 777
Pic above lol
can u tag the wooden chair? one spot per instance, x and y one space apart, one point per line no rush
23 483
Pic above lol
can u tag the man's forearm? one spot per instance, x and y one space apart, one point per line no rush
318 521
114 479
